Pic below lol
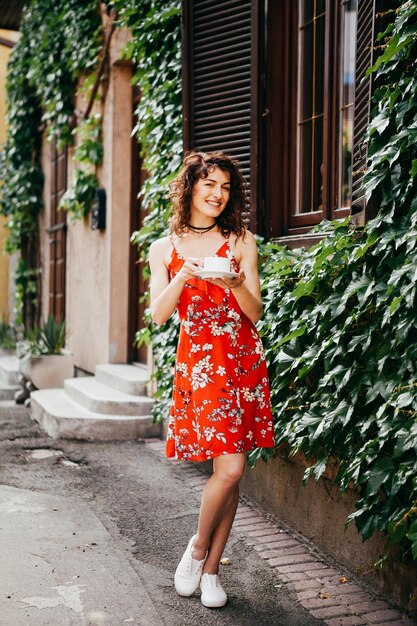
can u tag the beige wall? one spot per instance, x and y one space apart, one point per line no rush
97 281
4 261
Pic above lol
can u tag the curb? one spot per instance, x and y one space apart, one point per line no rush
323 590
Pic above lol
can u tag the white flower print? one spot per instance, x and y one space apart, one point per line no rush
221 371
248 395
182 368
209 432
196 427
200 374
207 347
187 326
216 330
234 315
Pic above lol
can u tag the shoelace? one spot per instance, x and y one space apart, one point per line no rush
190 565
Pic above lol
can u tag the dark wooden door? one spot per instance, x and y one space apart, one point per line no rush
57 234
137 286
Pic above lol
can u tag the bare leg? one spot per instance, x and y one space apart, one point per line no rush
218 509
220 536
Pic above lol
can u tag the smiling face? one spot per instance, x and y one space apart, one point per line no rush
209 197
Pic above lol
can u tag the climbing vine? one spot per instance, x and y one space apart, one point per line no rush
155 49
59 41
340 321
89 152
338 317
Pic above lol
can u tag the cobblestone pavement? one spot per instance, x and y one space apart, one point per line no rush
325 592
148 506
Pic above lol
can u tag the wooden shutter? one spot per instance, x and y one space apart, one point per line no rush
364 45
219 84
373 18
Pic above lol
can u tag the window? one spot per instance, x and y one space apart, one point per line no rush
311 87
310 106
324 96
282 86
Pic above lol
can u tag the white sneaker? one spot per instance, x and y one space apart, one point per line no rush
212 593
188 572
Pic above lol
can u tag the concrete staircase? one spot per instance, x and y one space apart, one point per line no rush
110 406
9 383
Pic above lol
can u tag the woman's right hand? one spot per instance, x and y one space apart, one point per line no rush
190 266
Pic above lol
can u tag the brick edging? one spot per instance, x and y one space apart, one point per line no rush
325 591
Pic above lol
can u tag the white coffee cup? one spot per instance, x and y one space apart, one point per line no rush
216 264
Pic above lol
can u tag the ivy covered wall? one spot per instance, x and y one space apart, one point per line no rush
340 321
59 41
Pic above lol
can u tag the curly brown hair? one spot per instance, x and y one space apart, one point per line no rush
197 165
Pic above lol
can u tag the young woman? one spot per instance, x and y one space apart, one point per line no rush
221 406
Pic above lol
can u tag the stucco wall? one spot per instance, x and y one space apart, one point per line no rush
98 262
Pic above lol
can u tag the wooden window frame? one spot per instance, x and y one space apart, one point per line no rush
280 99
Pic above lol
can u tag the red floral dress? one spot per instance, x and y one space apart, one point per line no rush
221 400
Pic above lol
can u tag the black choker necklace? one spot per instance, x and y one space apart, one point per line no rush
200 230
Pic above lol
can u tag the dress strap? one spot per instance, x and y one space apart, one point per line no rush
174 249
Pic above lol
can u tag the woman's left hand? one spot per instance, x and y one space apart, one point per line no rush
228 283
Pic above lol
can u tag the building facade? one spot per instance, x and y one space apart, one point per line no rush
282 86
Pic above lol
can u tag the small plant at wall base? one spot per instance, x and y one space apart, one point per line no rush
48 338
340 321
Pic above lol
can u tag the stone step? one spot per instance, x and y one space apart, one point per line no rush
100 398
61 417
130 379
9 369
7 391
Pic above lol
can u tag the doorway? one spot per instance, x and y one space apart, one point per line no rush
57 234
137 285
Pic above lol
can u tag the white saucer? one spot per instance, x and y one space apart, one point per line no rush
214 274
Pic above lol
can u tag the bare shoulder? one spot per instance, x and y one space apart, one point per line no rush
245 245
160 249
160 245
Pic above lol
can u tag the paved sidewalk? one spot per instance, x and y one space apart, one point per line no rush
60 566
326 593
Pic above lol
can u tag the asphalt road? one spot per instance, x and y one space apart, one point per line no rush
150 512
